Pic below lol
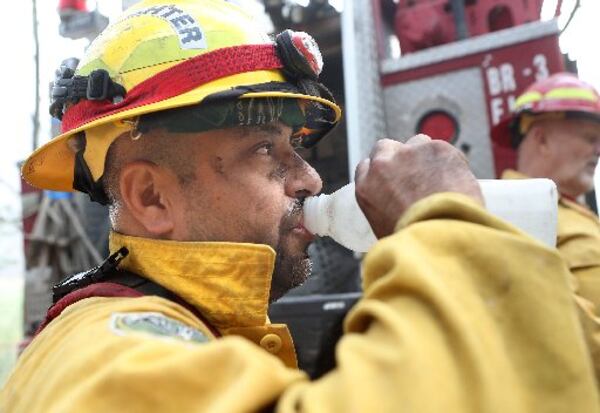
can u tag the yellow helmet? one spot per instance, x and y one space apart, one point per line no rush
163 55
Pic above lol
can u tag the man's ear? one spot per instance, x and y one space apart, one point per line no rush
539 138
148 192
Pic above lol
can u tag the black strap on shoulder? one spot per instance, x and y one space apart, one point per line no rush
141 284
83 279
108 272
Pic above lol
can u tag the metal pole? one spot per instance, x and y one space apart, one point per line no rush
558 8
460 20
36 113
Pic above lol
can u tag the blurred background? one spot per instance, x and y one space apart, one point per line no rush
449 68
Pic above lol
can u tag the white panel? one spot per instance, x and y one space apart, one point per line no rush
460 93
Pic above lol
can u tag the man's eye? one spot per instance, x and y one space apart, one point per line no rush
265 149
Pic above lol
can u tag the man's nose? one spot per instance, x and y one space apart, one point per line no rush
302 180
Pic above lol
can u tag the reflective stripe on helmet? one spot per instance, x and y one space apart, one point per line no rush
572 93
528 98
559 93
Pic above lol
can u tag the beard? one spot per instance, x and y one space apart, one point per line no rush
291 269
289 272
292 265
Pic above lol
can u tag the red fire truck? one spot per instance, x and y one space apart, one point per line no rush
462 64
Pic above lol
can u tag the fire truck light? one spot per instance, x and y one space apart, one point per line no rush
438 124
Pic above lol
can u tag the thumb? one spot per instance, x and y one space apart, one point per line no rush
362 169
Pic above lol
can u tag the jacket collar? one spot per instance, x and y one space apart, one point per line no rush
229 283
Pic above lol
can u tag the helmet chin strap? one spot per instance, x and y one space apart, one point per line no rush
83 180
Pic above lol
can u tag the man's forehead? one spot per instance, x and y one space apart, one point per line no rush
585 128
572 125
274 130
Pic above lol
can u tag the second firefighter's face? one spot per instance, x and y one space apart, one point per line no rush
573 148
248 187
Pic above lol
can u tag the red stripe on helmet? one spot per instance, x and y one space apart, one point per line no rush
177 80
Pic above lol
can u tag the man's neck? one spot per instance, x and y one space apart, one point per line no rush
536 173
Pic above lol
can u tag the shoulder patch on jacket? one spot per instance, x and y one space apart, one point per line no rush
155 324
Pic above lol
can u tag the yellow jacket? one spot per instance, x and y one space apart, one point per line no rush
579 243
578 240
461 313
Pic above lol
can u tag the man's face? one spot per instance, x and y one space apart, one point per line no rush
573 151
248 187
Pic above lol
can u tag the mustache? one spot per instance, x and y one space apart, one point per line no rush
293 216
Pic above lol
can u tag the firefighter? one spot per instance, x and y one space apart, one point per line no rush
184 118
556 131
